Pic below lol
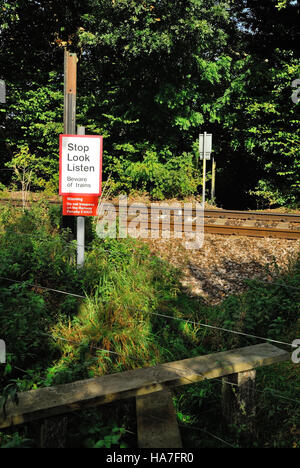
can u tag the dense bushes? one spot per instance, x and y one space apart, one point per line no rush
28 246
122 281
157 172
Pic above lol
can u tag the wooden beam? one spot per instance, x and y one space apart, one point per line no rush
61 399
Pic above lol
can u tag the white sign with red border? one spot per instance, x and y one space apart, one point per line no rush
80 164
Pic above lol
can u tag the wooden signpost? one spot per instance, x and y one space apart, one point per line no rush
70 83
80 168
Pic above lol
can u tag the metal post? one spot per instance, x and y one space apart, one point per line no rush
80 224
2 92
213 179
204 168
70 82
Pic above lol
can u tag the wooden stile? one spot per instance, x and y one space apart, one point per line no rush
62 399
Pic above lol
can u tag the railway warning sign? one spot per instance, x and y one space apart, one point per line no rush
80 164
86 205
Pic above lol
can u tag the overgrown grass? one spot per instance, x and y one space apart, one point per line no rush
55 338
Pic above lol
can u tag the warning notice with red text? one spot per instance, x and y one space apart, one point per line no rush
85 205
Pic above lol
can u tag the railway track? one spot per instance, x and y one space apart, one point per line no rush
225 222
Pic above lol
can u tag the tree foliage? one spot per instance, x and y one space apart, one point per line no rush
151 76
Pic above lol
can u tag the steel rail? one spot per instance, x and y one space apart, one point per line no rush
223 229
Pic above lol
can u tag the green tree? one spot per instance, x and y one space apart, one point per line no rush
151 76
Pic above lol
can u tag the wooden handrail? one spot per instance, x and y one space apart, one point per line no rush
61 399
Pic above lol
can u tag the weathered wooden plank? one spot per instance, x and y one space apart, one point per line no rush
60 399
156 421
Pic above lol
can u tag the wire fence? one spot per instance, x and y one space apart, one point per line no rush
265 391
184 426
273 392
270 391
192 322
174 368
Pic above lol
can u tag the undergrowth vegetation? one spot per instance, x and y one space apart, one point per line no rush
108 324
